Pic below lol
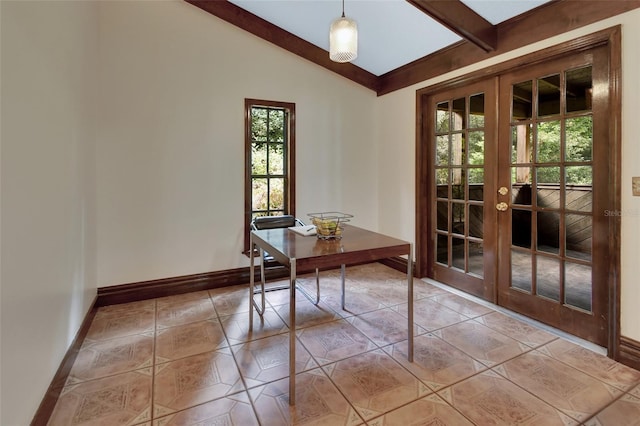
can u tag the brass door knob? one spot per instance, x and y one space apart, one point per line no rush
503 190
502 207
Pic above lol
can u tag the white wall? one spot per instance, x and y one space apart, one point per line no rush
48 229
170 152
397 169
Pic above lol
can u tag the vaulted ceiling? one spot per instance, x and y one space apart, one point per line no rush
402 42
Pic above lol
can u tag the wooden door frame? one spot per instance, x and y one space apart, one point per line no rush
612 39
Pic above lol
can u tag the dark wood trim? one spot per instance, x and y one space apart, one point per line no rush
549 20
462 20
257 26
629 352
615 163
585 42
611 39
50 399
290 200
132 292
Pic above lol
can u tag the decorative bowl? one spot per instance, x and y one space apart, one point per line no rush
329 224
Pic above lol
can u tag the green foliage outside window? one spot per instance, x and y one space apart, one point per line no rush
268 163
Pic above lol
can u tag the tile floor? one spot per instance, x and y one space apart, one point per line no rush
190 360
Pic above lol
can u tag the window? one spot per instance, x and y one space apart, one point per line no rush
269 160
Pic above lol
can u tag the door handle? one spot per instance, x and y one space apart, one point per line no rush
503 207
503 190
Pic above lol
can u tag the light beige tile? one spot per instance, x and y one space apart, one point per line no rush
123 399
430 410
109 357
318 403
195 380
435 362
594 364
481 343
231 410
489 399
572 391
374 383
334 341
190 339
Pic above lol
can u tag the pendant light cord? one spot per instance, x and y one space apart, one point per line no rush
343 8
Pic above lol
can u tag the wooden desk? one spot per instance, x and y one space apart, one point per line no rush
304 254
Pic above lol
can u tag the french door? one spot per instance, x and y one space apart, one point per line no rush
517 182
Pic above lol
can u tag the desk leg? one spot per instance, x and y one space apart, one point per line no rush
410 303
342 274
292 333
251 281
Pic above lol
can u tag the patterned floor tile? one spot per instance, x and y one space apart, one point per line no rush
461 305
127 308
266 360
435 362
318 403
233 410
430 410
432 315
172 312
109 357
623 412
392 292
635 391
308 314
236 327
276 298
123 399
230 300
482 343
355 303
572 391
190 339
122 320
516 329
489 399
184 297
384 326
422 289
191 381
334 341
594 364
374 383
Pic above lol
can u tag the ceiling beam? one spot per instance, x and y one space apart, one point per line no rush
462 20
550 19
259 27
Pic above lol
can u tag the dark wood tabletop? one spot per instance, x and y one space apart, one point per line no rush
357 245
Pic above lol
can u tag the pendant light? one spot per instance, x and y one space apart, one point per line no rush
343 39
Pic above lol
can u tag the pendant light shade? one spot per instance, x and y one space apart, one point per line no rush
343 39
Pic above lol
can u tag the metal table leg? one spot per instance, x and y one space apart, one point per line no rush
292 333
410 303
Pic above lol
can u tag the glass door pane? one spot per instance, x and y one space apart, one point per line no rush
459 160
